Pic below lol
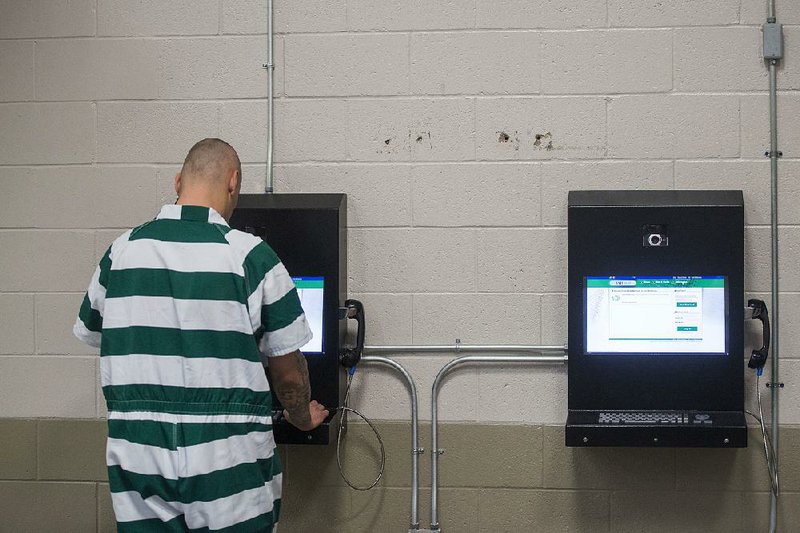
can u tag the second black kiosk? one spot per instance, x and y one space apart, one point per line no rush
656 326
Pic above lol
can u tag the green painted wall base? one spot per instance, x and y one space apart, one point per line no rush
493 478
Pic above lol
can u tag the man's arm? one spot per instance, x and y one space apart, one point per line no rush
89 324
290 380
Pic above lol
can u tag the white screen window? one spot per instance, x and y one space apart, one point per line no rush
311 291
670 314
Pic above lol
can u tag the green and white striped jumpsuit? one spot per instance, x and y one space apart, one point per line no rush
185 310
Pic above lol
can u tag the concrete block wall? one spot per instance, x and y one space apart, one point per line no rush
456 129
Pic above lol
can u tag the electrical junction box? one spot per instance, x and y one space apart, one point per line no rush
309 234
656 329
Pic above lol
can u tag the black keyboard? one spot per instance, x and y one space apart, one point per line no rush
654 418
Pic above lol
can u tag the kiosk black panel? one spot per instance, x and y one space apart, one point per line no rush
656 298
309 234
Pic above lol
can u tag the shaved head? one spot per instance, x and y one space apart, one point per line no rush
211 176
210 160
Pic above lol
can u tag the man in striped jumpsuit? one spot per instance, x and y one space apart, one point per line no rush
186 311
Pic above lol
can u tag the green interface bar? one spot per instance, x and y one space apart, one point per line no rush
309 283
656 283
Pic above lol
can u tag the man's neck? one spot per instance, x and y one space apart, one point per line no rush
203 200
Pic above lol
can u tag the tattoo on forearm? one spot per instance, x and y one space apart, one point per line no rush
296 395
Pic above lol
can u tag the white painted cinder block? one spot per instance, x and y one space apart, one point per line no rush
522 260
558 178
76 196
469 194
46 260
152 132
310 130
46 18
47 133
476 318
673 13
757 265
475 63
59 387
547 14
607 62
55 316
758 272
525 392
411 260
789 407
456 129
155 17
91 69
752 177
217 68
377 195
389 319
411 129
346 64
719 59
250 16
394 15
16 64
755 125
789 248
540 128
789 69
554 319
679 126
16 327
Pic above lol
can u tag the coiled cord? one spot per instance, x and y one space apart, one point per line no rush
342 421
769 450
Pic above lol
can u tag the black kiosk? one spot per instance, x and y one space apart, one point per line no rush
309 234
656 327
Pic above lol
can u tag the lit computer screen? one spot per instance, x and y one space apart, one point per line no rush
655 315
311 291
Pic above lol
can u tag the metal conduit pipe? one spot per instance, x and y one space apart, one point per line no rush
270 66
435 451
774 377
774 154
465 348
415 449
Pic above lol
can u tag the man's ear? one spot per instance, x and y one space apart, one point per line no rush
178 183
233 182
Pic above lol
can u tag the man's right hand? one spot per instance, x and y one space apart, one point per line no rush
316 416
290 381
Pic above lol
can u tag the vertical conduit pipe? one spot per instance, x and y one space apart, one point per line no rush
270 66
415 449
435 452
773 158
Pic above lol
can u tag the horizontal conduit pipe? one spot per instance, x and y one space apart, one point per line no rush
415 449
541 358
465 348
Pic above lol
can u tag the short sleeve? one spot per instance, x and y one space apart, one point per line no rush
274 304
89 324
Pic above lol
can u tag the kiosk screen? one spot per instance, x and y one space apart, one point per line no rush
655 315
311 291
